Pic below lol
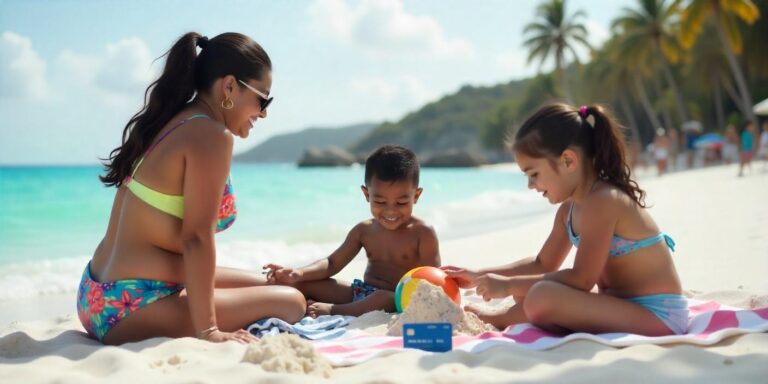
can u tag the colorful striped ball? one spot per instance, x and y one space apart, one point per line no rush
407 285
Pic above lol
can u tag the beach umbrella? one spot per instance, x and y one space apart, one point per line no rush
709 140
761 108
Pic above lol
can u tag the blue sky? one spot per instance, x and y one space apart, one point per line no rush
73 72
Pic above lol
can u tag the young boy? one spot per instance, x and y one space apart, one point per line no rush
394 242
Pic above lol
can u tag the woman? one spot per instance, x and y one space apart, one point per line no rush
154 272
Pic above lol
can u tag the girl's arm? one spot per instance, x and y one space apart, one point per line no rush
600 213
550 257
206 167
518 277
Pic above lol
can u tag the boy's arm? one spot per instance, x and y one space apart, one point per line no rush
429 250
331 265
550 257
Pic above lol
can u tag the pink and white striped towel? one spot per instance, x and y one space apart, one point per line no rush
709 322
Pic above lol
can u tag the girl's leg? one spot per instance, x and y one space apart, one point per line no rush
554 306
503 318
236 308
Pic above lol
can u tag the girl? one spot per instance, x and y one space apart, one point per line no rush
154 273
576 158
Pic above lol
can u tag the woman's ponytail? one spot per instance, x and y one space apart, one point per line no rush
163 99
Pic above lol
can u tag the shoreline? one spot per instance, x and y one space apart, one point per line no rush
717 220
672 200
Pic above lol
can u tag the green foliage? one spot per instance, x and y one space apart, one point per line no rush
630 64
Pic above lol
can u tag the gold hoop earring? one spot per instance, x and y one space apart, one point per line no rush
227 103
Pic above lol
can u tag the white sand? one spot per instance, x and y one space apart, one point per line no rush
719 222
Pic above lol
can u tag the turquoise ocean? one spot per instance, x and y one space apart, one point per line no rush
52 217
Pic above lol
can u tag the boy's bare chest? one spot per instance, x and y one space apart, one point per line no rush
402 248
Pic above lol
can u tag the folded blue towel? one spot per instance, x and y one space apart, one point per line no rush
322 327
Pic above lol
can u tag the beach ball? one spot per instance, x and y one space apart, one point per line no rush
407 285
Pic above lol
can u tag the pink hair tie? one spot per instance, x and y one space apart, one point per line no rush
583 111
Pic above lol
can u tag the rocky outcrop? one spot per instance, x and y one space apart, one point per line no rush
454 158
331 156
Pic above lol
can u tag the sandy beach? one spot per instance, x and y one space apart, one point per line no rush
720 225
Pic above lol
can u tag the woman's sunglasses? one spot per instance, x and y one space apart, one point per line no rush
265 99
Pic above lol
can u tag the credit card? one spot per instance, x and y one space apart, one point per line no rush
432 337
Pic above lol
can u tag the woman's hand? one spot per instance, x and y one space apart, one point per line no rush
492 286
465 278
241 336
277 274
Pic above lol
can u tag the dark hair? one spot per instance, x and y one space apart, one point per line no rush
185 74
392 163
557 127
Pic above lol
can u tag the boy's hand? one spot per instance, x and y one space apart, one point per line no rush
465 278
492 286
277 274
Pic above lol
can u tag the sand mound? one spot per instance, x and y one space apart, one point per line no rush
286 353
429 304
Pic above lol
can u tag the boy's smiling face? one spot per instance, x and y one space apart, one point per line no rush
391 202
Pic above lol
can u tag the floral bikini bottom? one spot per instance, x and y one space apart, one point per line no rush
100 306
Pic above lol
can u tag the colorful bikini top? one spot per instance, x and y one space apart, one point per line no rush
174 204
619 245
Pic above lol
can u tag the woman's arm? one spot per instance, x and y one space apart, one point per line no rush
206 168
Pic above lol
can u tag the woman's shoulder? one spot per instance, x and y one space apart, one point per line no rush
206 134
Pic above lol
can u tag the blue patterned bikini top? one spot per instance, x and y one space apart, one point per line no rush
619 245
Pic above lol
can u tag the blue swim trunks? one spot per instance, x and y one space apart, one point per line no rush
361 290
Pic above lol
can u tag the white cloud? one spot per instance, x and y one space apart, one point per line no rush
22 70
400 92
383 27
597 34
515 63
125 66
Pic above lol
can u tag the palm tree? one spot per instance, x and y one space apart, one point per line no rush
709 64
609 79
723 12
554 34
652 29
629 52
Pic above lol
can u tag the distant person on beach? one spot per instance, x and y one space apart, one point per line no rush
674 148
575 157
661 151
394 242
691 134
747 147
731 145
154 273
762 150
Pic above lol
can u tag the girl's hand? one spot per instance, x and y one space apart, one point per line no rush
465 278
241 336
278 274
492 286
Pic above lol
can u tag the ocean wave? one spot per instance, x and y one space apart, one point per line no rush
23 280
485 212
